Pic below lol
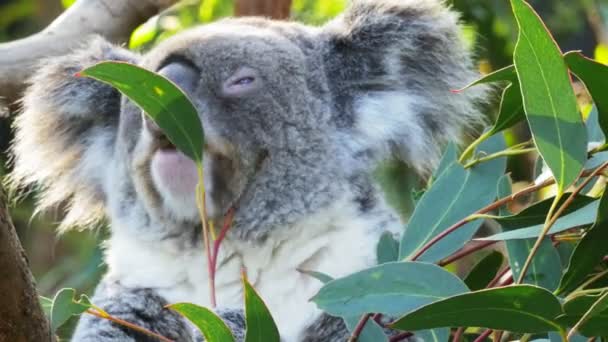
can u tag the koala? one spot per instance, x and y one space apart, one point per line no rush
296 120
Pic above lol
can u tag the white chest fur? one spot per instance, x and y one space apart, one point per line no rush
337 242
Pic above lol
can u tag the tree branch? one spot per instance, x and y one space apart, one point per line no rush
22 316
112 19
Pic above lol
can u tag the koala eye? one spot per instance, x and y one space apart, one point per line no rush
242 82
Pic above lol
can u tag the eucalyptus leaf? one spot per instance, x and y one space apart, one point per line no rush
371 332
391 288
456 194
213 327
579 218
160 99
595 77
549 101
576 308
484 271
260 324
589 251
387 249
65 306
546 267
520 308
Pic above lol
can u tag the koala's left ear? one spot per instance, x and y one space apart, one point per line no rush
391 65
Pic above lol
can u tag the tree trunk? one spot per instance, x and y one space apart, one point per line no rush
21 317
275 9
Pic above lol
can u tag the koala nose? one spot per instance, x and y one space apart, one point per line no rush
186 76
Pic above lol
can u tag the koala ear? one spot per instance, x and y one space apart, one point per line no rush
65 133
391 65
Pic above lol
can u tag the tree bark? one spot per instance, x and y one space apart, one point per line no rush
113 19
275 9
21 317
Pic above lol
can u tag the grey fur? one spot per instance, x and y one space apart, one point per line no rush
279 154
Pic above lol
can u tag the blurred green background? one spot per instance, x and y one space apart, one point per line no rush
75 258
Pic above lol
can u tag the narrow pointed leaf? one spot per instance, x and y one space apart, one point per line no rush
505 74
160 99
484 271
579 218
260 324
320 276
549 102
213 328
391 288
595 77
65 306
521 308
456 194
576 308
589 251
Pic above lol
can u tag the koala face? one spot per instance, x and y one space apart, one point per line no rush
263 103
295 118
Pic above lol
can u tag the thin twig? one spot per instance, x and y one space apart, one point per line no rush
498 277
505 153
458 334
476 246
128 325
359 327
553 217
401 336
202 210
483 336
217 243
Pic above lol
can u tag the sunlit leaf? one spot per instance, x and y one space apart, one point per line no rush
213 327
521 308
391 288
549 102
160 99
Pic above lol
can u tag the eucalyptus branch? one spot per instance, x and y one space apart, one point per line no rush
507 152
483 336
471 148
105 315
467 250
551 218
359 328
202 210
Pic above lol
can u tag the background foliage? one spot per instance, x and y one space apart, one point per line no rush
74 260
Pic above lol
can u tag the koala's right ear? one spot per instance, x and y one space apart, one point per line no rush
65 133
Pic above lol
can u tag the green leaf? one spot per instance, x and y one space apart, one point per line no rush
260 325
433 335
387 249
595 77
546 268
484 271
456 194
450 156
594 131
46 304
371 332
537 213
320 276
549 101
581 217
576 308
504 189
160 99
555 337
521 308
505 74
589 251
65 306
213 328
596 309
511 110
391 288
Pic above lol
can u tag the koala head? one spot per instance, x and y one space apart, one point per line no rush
295 117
